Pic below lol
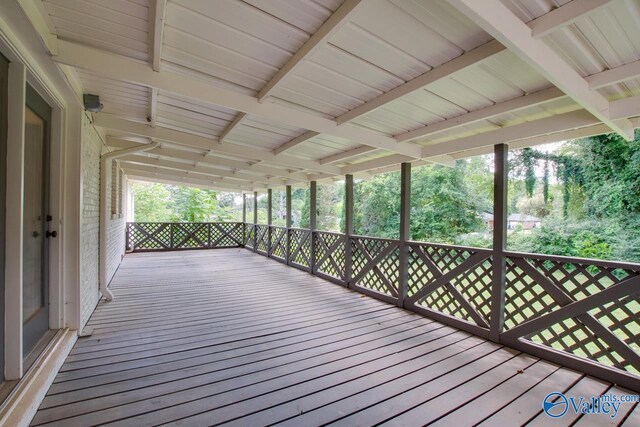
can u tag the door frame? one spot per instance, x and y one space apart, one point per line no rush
40 320
63 300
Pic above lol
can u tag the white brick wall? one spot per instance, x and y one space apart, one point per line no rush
92 147
90 228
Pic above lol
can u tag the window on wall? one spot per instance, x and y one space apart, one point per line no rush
120 191
114 187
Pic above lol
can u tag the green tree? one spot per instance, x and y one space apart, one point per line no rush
151 202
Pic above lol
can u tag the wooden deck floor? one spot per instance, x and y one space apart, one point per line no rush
229 337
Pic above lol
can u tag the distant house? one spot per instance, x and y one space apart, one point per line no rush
488 220
526 221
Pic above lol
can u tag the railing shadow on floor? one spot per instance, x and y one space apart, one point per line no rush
580 313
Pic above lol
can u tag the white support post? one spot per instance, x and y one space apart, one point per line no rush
13 356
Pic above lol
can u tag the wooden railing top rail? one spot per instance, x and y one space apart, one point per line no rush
575 260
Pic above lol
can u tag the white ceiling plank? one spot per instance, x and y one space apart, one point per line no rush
346 155
164 134
121 68
156 31
193 175
153 107
295 142
235 123
625 107
202 169
445 70
156 175
496 19
333 24
511 105
539 140
375 163
557 123
564 15
614 75
247 167
548 125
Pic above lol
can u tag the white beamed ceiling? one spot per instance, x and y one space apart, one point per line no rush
381 45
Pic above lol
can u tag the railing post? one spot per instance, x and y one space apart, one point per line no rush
171 230
348 227
244 219
313 224
499 264
288 235
269 219
255 220
405 232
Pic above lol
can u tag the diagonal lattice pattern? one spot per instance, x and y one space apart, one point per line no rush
279 242
262 236
149 235
226 234
190 235
381 276
465 292
330 254
527 299
300 250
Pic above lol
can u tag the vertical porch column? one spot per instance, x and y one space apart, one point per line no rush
348 227
499 265
255 220
405 232
313 224
269 219
288 235
244 219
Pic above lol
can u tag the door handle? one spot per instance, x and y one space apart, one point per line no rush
35 234
51 234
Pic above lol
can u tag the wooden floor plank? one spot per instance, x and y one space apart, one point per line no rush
227 336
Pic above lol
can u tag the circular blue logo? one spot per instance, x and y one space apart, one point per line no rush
555 404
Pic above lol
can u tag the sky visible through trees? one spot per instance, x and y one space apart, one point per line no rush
581 198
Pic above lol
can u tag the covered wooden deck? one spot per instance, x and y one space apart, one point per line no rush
211 337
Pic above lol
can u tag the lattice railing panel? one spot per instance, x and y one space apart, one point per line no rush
226 234
330 254
376 264
149 235
190 235
250 236
539 290
262 238
279 242
451 280
143 236
300 247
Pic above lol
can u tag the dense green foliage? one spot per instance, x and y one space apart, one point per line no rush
585 193
164 203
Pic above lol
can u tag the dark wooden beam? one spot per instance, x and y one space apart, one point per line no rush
348 226
313 223
500 177
405 231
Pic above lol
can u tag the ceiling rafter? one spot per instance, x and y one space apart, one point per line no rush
115 123
496 19
295 142
237 121
156 175
445 70
614 75
515 104
202 169
156 31
563 16
189 174
346 155
333 24
121 68
235 165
